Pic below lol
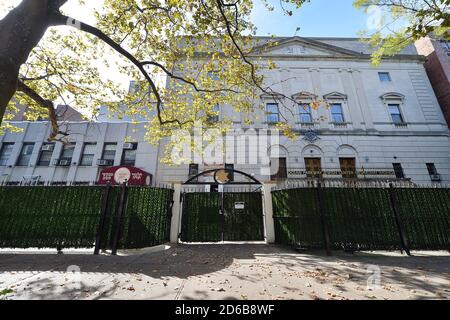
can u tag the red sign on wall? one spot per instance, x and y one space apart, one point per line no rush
118 175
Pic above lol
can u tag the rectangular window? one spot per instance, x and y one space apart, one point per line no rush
431 169
109 151
446 46
87 157
129 156
25 154
384 76
396 115
193 171
215 118
213 75
313 167
348 168
399 174
305 113
273 114
5 153
67 152
230 166
337 113
46 154
280 167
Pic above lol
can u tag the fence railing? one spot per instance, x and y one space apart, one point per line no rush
63 183
363 217
357 173
84 217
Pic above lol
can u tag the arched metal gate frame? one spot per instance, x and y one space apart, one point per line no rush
222 214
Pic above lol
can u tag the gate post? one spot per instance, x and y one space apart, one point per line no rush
323 219
175 223
119 219
268 213
103 217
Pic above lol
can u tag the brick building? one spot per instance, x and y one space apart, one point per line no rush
438 69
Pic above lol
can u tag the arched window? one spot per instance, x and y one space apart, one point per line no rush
347 161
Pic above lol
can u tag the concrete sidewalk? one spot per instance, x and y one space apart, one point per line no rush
225 272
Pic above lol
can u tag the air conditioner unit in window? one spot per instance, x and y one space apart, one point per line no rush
436 177
128 146
105 163
64 163
48 147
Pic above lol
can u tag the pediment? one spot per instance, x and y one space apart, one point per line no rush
304 95
392 96
335 96
272 96
297 46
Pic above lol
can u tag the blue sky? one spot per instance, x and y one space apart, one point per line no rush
320 18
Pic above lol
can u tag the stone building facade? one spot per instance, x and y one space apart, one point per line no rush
382 123
384 118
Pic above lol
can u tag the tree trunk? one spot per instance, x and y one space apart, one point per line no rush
20 31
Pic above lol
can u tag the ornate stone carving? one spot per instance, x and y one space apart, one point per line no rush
311 136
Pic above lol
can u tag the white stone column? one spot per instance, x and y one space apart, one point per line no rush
120 141
176 214
268 213
77 152
352 102
41 137
362 99
322 112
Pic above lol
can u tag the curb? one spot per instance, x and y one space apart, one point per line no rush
135 252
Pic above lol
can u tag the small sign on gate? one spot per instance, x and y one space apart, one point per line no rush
239 205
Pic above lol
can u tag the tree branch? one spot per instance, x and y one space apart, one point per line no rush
192 83
105 38
47 104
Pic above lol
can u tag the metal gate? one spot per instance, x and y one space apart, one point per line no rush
204 220
223 214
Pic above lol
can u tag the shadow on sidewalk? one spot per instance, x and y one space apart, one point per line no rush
185 261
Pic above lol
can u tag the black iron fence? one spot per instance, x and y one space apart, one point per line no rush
370 216
106 217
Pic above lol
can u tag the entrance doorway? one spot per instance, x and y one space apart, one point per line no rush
348 168
313 167
221 210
